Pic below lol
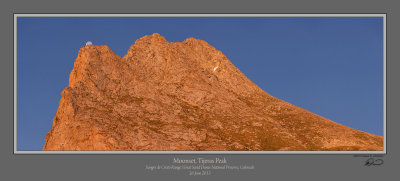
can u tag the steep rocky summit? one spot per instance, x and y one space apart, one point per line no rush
183 96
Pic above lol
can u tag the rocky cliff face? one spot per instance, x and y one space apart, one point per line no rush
182 96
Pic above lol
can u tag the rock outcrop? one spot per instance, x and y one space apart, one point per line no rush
183 96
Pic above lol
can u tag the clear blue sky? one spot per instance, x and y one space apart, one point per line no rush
330 66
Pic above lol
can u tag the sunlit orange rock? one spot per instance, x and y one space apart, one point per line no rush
183 96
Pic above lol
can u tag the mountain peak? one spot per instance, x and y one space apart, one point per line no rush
154 38
90 59
192 40
101 48
183 96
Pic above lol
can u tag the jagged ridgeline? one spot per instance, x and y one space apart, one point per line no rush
183 96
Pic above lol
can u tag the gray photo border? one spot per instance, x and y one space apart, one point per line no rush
383 15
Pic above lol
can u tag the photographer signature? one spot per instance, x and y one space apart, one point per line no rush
374 162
